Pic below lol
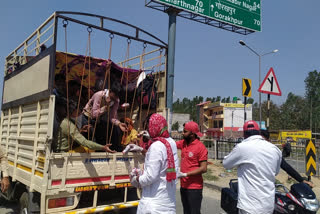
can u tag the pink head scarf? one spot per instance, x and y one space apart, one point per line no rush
158 131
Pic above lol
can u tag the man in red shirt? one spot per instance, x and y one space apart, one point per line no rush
194 156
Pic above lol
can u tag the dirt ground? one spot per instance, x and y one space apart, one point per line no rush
219 176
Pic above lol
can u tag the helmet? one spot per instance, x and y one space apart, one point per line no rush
250 128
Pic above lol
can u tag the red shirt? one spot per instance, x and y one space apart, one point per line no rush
191 156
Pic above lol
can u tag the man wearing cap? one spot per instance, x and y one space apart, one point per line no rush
194 156
258 162
102 106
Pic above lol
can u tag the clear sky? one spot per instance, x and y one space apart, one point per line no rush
209 61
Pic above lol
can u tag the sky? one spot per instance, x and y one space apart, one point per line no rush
209 61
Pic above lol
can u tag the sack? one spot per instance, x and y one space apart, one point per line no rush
148 91
229 200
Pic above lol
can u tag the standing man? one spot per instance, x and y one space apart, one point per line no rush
194 156
158 179
4 168
258 162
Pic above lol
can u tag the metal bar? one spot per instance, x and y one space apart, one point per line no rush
114 20
115 32
34 33
171 55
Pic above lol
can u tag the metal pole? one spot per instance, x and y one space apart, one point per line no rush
171 55
268 114
245 114
259 91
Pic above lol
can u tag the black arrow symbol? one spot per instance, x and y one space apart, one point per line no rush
248 87
271 83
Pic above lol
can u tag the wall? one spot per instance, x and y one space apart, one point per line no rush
181 118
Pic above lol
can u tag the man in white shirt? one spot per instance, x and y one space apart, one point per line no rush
258 162
158 179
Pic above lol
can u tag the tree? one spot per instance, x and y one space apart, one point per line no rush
250 101
294 113
175 126
274 116
312 95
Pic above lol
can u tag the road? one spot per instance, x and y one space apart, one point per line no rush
210 204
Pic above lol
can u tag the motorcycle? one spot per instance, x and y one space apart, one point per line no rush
299 200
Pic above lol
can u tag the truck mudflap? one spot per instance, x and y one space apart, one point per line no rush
105 208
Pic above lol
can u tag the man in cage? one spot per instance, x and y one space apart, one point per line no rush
101 114
67 137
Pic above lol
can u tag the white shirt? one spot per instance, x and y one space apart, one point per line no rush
258 163
158 195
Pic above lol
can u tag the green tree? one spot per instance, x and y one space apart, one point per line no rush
312 95
250 101
294 113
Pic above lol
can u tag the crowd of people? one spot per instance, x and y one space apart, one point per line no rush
97 127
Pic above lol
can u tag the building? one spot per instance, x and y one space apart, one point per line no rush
223 119
181 119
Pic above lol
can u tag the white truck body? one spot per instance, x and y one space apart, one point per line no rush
26 134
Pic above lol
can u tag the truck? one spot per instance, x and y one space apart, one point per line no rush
45 181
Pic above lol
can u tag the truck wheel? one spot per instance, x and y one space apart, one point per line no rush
29 203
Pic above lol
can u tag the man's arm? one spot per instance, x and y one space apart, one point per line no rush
4 163
293 173
200 170
233 159
78 137
152 166
4 167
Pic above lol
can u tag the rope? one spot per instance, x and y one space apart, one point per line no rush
107 74
135 89
89 86
80 93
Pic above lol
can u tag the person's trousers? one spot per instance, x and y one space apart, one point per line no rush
100 133
191 200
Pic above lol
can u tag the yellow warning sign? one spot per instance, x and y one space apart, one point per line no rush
311 159
246 87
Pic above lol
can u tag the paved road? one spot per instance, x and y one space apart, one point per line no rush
210 204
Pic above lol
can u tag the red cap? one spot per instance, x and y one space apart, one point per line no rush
250 125
193 127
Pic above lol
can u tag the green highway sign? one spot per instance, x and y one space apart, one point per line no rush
241 13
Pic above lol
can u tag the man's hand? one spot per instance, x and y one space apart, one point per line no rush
181 174
107 149
85 128
309 183
123 127
134 181
135 172
132 148
5 184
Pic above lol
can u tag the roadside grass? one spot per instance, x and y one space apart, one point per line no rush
209 177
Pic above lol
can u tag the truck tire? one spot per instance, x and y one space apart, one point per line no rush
29 203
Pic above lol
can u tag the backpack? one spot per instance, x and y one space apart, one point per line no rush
148 92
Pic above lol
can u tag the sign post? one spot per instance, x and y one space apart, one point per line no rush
310 159
270 86
246 92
